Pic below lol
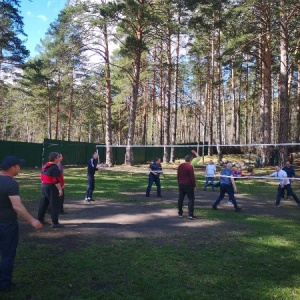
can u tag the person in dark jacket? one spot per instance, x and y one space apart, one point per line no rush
10 208
51 190
154 176
93 166
187 186
290 171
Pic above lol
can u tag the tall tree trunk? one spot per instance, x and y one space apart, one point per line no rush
219 117
283 84
135 89
108 103
167 108
58 98
266 95
176 76
233 107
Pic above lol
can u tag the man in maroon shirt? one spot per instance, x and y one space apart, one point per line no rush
187 186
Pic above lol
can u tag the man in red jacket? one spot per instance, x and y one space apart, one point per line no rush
51 190
187 186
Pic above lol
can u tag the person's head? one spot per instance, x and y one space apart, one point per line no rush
188 158
61 157
12 164
54 157
288 164
238 170
229 165
277 168
211 162
95 155
157 160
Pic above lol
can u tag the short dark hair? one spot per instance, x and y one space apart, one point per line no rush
188 157
53 156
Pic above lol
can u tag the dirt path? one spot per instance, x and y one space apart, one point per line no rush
145 217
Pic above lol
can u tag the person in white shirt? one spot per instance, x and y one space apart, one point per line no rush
284 184
210 176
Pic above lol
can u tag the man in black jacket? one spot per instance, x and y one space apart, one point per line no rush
93 166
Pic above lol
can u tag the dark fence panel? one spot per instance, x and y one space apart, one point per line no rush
78 153
75 153
31 152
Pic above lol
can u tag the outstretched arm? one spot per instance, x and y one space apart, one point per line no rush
22 211
196 159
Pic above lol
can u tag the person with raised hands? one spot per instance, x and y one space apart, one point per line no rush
227 185
284 184
92 167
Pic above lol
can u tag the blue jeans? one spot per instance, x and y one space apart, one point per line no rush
226 188
189 191
90 187
290 192
152 179
210 181
9 237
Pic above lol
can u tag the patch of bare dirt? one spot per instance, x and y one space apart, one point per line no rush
153 218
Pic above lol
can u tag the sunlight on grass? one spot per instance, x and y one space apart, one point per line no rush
235 256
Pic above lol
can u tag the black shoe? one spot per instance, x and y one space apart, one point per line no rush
159 196
214 207
11 287
192 217
62 212
147 195
58 225
49 212
238 209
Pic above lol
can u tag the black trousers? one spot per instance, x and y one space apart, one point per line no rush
49 197
189 191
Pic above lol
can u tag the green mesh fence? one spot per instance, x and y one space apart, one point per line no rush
78 153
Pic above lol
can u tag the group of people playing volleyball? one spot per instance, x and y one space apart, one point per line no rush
228 176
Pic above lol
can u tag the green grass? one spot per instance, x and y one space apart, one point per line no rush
241 257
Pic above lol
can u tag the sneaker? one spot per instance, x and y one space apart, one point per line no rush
277 205
159 196
192 217
58 225
229 202
90 199
238 209
86 201
214 207
63 212
180 215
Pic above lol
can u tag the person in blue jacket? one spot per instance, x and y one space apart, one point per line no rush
227 185
154 177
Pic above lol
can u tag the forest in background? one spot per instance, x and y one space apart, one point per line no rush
155 72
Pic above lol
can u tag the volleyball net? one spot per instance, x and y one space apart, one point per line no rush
248 157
